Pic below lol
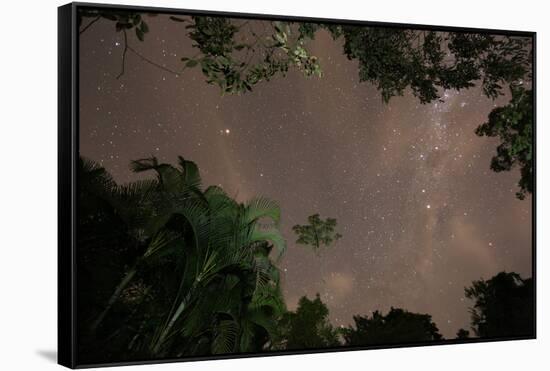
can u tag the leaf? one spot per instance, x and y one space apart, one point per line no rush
190 171
279 38
139 34
273 236
122 26
177 19
225 337
109 16
278 26
144 27
144 164
262 208
191 63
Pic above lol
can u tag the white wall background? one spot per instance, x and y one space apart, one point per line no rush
28 152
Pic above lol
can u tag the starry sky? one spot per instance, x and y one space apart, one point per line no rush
421 213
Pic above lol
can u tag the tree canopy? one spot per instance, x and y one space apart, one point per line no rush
237 54
308 327
462 334
317 233
513 125
397 326
503 306
167 268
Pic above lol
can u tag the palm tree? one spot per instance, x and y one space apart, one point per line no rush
208 264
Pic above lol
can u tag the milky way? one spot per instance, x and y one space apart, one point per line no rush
421 213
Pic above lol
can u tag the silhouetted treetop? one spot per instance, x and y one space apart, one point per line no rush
308 327
462 334
317 233
398 326
503 306
513 125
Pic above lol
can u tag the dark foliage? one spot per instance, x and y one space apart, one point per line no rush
308 327
398 326
317 233
462 334
236 56
166 269
513 125
503 306
428 61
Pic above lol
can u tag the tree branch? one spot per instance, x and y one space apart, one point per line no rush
127 48
89 24
123 54
153 63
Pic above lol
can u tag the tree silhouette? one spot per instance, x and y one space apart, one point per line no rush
513 125
503 306
169 269
308 327
236 55
462 334
398 326
317 233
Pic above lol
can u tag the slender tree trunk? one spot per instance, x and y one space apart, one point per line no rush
177 314
112 300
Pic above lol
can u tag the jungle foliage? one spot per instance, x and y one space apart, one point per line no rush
169 268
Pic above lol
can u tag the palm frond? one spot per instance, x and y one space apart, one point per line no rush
273 236
160 241
94 177
262 267
191 173
144 164
262 207
225 337
208 255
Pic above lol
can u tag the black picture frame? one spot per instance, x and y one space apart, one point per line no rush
68 150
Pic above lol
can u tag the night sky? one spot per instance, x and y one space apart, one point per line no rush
420 211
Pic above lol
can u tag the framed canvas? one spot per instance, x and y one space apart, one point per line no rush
235 185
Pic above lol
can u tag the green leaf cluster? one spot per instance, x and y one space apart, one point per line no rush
124 20
513 125
317 233
169 268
